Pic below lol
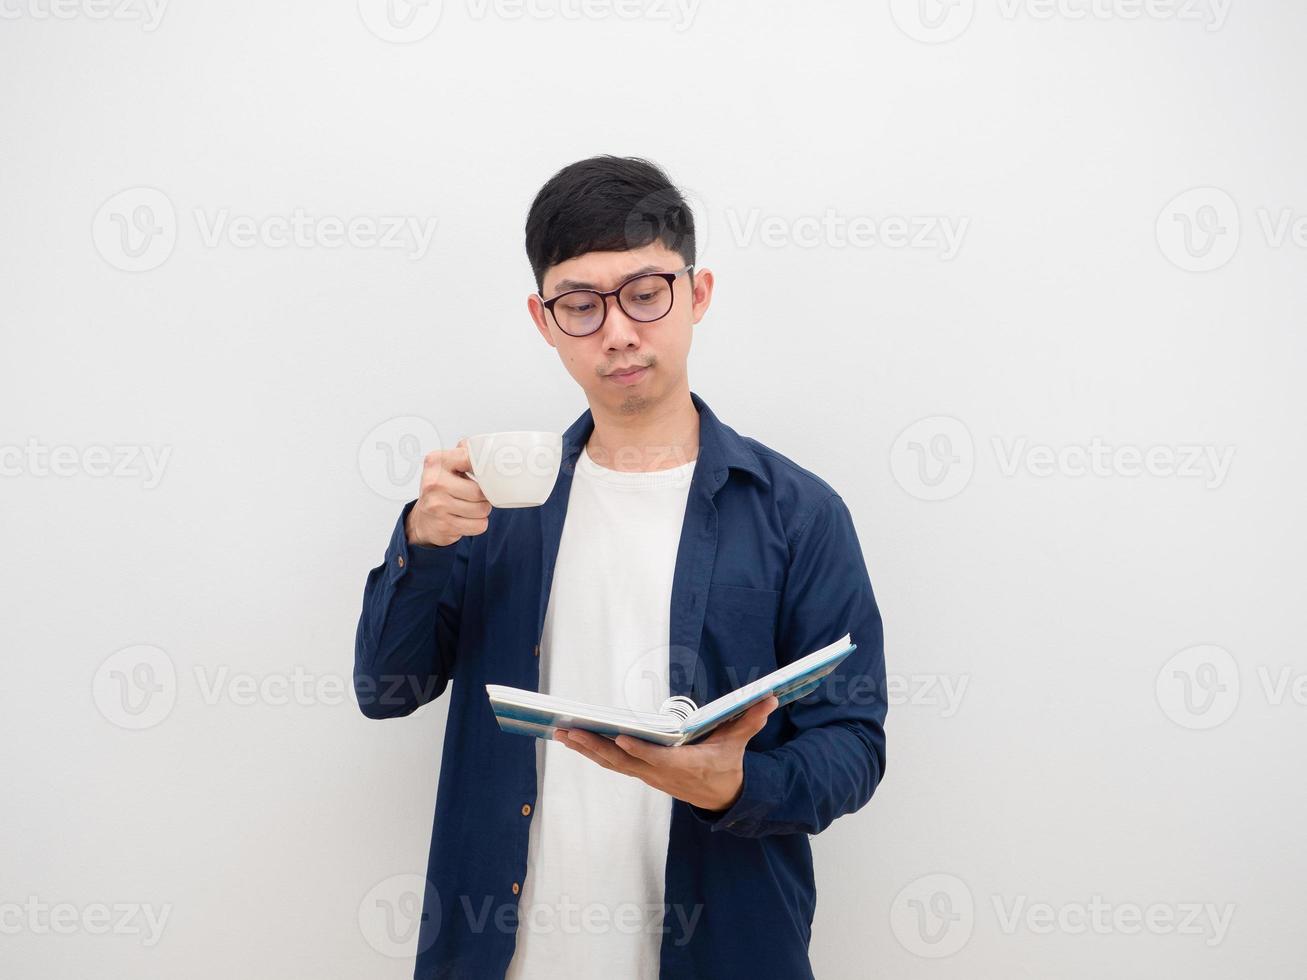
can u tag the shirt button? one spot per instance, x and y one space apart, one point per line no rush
536 651
516 888
400 559
526 809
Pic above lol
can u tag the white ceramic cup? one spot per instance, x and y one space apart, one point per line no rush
516 469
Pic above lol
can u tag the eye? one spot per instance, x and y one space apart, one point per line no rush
647 291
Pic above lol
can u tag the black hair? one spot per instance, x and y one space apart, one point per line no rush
606 204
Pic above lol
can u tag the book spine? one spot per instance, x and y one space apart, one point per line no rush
680 706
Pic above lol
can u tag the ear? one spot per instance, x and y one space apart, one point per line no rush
535 306
701 298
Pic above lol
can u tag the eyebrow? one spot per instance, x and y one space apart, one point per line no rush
563 285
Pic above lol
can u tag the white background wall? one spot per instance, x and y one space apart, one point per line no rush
1097 725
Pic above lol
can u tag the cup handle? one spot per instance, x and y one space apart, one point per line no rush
468 473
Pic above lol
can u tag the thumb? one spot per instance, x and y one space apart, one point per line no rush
750 723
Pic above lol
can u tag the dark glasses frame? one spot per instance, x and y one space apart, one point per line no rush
603 295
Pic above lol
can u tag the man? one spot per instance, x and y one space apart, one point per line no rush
674 556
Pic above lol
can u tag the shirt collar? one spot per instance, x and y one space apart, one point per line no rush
720 446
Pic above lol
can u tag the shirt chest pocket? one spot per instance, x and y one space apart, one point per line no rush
739 636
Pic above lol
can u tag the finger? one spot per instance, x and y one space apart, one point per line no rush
460 485
580 749
438 462
748 724
460 457
461 488
647 778
649 752
473 510
466 525
608 751
755 719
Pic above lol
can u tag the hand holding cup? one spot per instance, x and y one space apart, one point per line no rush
450 503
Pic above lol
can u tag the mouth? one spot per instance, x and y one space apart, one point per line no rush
628 377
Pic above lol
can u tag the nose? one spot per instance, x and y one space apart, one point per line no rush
619 329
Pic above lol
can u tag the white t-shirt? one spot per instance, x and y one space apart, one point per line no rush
592 900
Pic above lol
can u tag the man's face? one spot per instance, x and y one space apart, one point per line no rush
660 347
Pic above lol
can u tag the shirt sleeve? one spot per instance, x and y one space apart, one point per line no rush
836 756
408 630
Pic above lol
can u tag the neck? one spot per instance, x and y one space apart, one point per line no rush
656 436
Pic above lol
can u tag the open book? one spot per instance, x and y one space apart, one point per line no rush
678 721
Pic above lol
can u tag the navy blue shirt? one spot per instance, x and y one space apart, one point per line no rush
768 569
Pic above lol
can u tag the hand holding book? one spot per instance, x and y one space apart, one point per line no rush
679 721
656 748
708 774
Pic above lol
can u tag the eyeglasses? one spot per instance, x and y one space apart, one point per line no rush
648 297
